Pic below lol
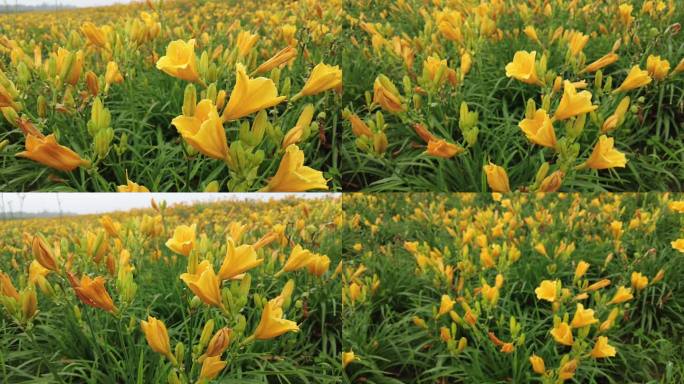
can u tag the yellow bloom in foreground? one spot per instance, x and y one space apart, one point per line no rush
639 281
678 245
211 367
604 61
280 58
250 95
445 305
636 78
47 151
69 65
322 78
583 317
156 335
562 333
293 176
131 187
523 67
621 295
272 323
92 292
497 179
537 364
573 103
238 260
180 60
183 240
605 155
602 348
43 254
205 284
547 290
657 67
347 358
441 148
204 130
539 129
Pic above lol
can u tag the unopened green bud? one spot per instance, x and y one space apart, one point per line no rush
189 100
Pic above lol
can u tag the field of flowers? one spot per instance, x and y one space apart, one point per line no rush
244 292
545 288
578 95
171 96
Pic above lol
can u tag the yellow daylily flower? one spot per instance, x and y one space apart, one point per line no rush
547 290
92 292
183 240
211 367
272 323
605 156
657 67
622 295
180 60
523 68
204 130
322 78
443 149
131 187
537 364
238 260
47 151
583 317
250 95
602 349
497 179
539 129
562 333
156 335
636 78
205 284
293 175
43 254
573 103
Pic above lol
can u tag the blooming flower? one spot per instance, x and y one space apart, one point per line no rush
636 78
539 129
293 176
180 60
250 95
523 67
573 103
602 349
605 156
47 151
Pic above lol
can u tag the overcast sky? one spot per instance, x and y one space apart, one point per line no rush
107 202
77 3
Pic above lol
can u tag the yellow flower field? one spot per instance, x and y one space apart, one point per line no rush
171 96
243 291
543 288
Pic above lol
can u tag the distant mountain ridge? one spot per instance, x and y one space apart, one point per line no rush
26 215
7 7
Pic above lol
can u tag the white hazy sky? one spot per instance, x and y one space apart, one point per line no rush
84 203
77 3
